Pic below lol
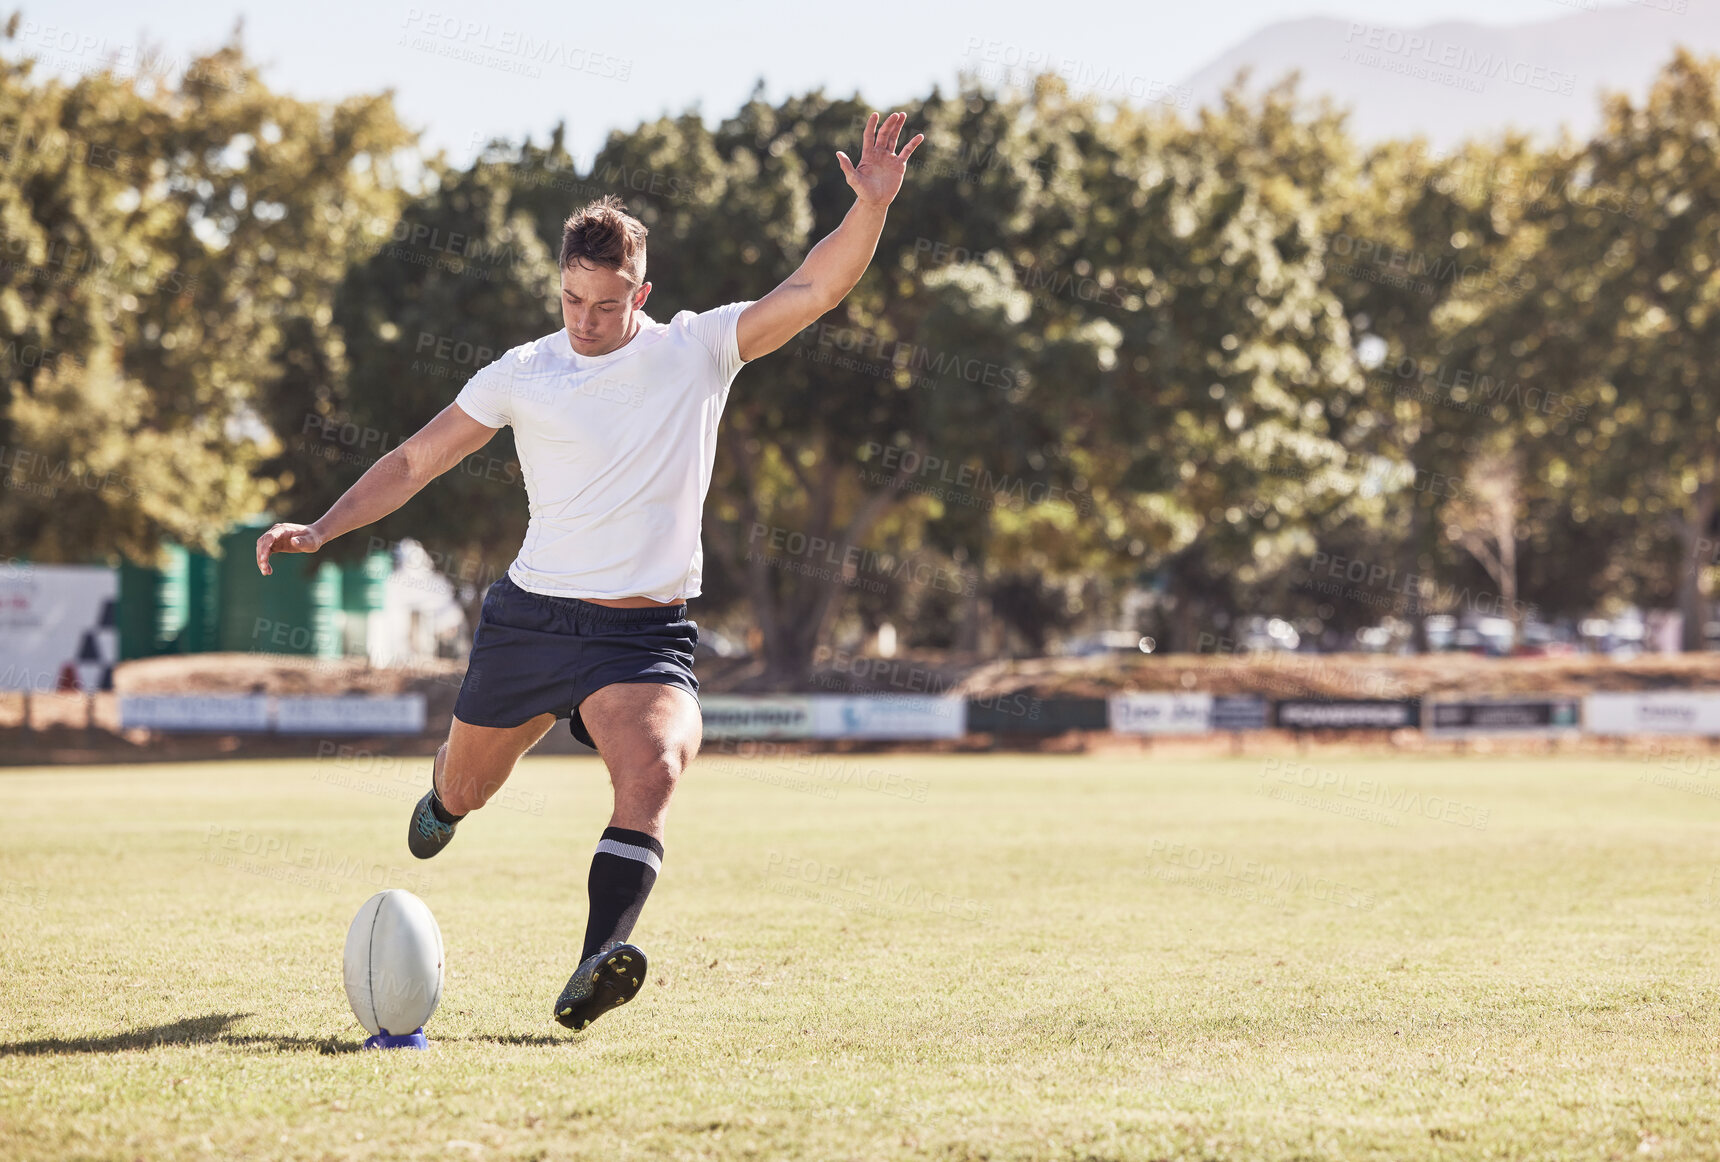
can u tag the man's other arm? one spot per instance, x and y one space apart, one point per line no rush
837 262
385 486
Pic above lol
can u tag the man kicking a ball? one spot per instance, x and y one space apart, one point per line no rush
615 420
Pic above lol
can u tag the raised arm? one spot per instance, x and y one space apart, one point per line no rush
385 486
837 262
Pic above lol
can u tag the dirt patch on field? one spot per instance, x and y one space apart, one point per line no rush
1285 675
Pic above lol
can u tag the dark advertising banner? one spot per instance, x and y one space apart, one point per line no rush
1347 714
1240 712
1024 714
1504 716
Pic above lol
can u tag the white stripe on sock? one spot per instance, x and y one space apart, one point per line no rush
628 851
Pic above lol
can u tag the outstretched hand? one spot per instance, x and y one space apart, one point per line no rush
285 538
879 175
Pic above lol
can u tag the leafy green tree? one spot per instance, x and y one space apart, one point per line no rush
825 444
175 244
459 277
1210 444
1618 316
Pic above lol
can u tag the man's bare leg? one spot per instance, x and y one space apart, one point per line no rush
647 733
476 760
469 768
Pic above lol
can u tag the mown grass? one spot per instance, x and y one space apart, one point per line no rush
883 957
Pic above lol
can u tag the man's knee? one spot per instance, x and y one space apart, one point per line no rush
658 772
666 767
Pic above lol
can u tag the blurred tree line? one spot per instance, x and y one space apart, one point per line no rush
1111 366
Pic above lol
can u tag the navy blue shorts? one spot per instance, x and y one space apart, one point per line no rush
545 655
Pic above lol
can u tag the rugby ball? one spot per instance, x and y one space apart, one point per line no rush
393 963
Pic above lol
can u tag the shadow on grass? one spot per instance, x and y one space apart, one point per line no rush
514 1039
207 1030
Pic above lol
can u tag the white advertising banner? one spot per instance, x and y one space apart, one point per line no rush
392 714
218 712
1161 713
1656 712
56 626
756 716
888 716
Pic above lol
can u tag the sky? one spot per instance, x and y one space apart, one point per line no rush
468 70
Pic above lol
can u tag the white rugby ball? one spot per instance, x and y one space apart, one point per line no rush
393 963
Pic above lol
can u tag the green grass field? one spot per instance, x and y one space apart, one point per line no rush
883 957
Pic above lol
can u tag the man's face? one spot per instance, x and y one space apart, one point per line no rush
597 307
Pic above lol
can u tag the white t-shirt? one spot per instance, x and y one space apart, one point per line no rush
617 452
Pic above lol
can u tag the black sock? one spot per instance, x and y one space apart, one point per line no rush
436 807
440 811
622 873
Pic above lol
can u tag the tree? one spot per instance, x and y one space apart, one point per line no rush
826 444
1483 519
1620 320
461 276
1211 442
172 244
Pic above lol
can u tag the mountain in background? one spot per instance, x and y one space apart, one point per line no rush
1456 80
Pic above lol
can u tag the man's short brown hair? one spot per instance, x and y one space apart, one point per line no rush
605 234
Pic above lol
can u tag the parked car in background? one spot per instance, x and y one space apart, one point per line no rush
1542 640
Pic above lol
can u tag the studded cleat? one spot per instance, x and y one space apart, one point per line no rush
602 982
426 835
